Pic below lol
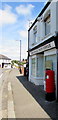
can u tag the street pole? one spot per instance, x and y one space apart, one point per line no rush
20 50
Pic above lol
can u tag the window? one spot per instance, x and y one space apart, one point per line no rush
40 63
47 25
33 70
35 34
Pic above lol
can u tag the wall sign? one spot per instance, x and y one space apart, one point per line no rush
43 48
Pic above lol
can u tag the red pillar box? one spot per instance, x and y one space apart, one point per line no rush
50 85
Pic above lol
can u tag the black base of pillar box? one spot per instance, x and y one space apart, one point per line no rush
50 96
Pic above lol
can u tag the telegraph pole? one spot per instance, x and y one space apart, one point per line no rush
20 50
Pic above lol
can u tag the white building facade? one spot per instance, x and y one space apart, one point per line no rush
5 62
43 44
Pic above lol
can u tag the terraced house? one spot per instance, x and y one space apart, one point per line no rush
43 45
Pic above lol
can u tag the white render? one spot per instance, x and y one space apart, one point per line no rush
53 8
7 63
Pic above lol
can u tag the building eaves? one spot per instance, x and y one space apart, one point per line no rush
4 57
44 43
42 11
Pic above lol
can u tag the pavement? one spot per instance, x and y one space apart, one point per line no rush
25 106
23 99
38 94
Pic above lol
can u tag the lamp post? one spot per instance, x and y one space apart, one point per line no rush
20 49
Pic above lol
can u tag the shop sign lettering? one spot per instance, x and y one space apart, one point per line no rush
43 48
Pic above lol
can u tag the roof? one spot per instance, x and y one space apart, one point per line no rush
42 11
4 57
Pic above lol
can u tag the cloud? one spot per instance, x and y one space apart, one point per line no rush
13 51
7 16
23 34
24 10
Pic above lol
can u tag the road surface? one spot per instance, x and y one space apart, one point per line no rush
16 101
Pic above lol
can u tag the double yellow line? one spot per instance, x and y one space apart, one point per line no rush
7 70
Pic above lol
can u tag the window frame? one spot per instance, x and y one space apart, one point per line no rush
47 21
35 34
33 64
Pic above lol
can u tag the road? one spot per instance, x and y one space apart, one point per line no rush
1 74
3 92
16 101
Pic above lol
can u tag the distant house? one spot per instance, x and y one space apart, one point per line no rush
5 62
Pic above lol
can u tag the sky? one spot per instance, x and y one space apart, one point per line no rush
14 25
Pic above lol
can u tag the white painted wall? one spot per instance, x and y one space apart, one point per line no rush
5 61
57 16
53 17
29 68
53 7
7 65
31 37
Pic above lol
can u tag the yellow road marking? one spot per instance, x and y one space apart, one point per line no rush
7 70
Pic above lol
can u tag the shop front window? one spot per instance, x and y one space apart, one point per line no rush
33 71
39 66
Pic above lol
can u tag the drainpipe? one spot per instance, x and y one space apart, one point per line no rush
57 75
28 54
